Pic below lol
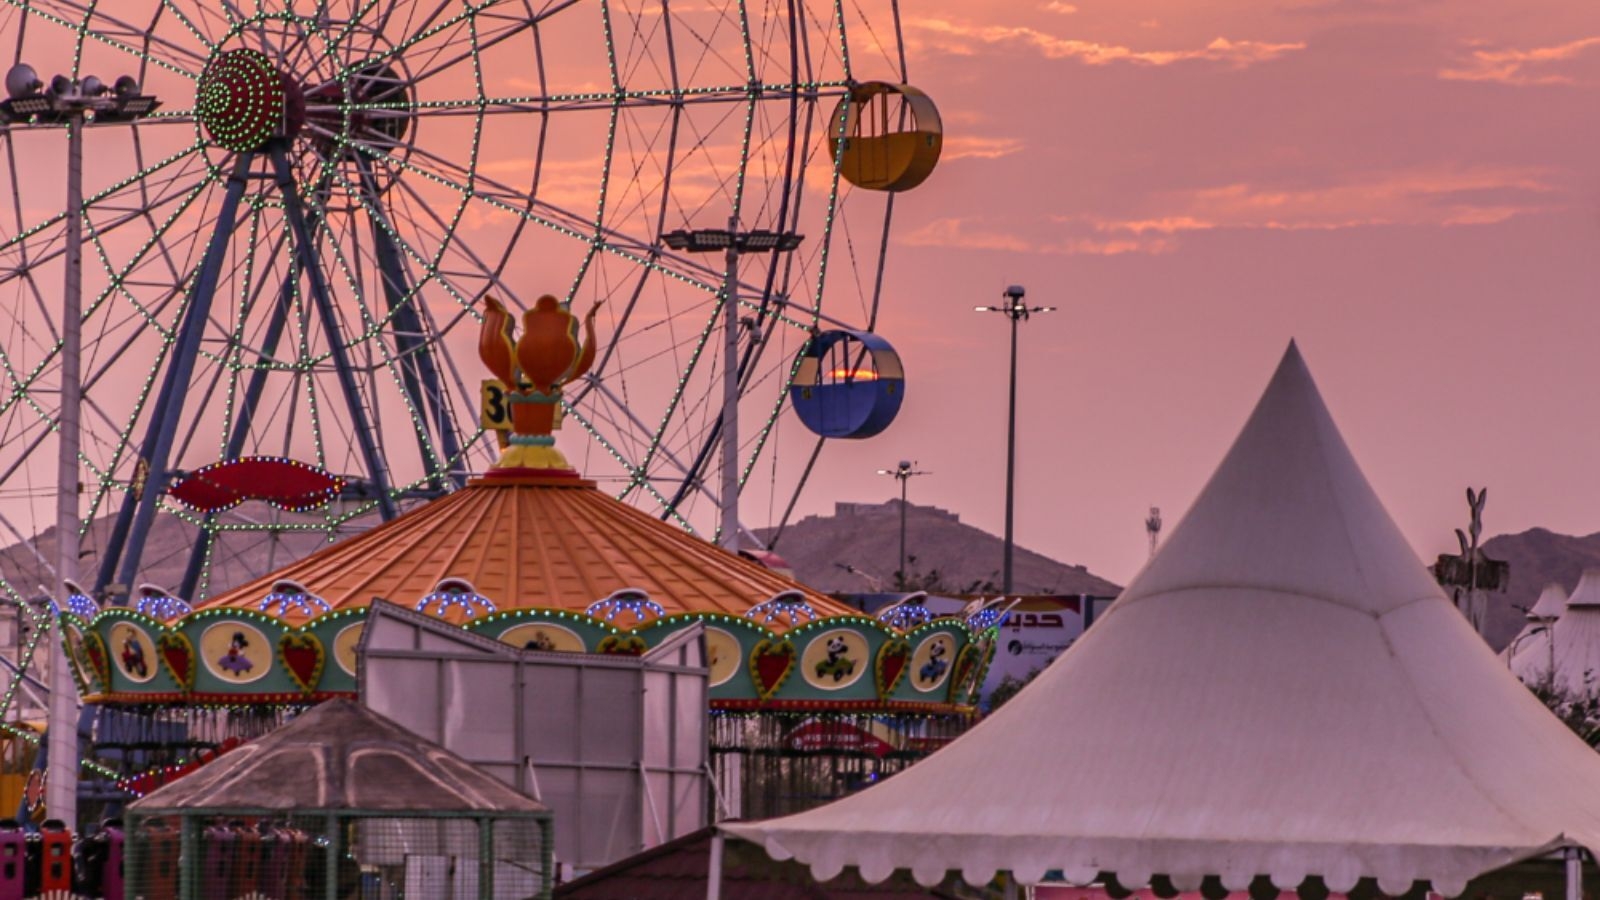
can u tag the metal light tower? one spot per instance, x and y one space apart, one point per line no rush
732 242
74 104
903 473
1017 311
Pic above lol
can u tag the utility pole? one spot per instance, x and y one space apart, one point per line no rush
1017 311
732 242
903 473
73 103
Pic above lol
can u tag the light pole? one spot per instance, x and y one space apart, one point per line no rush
1017 311
74 104
903 473
732 242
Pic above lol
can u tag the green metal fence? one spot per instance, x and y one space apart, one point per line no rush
337 855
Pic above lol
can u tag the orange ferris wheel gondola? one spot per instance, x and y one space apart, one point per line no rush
889 136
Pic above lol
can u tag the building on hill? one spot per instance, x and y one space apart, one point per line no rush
858 549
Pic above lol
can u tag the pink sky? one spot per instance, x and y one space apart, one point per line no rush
1409 188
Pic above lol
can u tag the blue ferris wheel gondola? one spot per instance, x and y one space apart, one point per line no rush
849 384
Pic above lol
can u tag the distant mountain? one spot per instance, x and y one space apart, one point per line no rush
1537 557
865 537
237 556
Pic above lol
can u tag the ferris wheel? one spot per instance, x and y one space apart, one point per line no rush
284 262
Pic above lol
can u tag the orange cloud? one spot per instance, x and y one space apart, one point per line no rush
1521 67
1438 198
957 38
1428 198
1056 6
959 234
974 147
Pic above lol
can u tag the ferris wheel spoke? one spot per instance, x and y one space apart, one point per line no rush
431 29
81 32
434 66
430 264
637 476
22 385
200 34
564 222
423 208
91 203
410 365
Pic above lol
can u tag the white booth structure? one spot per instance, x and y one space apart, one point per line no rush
615 746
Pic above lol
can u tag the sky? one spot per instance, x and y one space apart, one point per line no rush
1410 189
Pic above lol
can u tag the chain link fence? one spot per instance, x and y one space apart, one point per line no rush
337 856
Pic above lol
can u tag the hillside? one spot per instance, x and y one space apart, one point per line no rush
1537 557
866 537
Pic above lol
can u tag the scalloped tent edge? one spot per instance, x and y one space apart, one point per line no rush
1282 692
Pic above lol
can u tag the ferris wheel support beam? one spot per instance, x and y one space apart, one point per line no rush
126 543
241 425
417 368
295 213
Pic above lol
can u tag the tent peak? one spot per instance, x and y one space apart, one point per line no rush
1587 593
1289 511
1551 604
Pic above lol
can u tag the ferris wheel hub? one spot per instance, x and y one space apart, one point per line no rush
244 101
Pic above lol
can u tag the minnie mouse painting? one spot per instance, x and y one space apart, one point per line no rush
234 660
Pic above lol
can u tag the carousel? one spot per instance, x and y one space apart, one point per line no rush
809 698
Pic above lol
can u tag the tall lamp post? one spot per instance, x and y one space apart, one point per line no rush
732 242
1017 311
74 104
903 473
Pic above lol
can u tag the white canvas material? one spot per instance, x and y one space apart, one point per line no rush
1528 654
1576 654
1283 691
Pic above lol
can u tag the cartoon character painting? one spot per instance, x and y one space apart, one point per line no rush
540 641
935 667
133 658
837 665
235 660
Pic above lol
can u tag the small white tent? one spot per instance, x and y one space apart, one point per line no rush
1576 650
1529 654
1283 691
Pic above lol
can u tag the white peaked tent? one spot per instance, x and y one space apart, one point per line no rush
1529 654
1283 691
1576 650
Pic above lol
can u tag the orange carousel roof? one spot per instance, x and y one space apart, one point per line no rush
545 542
531 534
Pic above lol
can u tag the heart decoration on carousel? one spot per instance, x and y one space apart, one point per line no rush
966 662
770 664
622 645
177 655
890 666
94 648
303 658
